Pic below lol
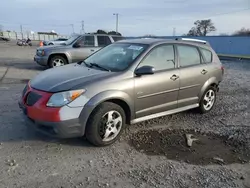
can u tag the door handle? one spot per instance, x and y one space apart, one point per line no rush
204 71
92 50
174 77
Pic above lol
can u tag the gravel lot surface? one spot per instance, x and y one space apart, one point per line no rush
29 159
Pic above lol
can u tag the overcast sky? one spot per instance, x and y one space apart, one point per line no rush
136 17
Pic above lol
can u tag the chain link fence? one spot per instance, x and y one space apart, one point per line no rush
37 37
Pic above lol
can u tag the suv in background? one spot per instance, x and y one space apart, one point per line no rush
124 83
75 49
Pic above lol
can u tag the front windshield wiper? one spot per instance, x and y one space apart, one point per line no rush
80 62
96 65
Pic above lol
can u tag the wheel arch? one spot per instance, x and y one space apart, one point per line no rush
210 82
118 97
58 54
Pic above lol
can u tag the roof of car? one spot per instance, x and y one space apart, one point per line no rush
144 40
152 41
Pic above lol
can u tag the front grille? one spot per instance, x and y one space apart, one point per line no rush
25 90
32 98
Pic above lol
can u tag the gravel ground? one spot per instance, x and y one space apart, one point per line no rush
29 159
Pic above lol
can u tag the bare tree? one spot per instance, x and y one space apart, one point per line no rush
114 33
1 30
202 28
223 34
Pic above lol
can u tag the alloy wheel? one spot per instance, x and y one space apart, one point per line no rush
111 124
57 63
209 99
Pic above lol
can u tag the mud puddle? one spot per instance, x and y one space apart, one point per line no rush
206 148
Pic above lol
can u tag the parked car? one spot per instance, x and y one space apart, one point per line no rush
77 48
58 41
2 38
123 83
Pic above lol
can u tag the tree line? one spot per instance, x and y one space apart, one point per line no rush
203 27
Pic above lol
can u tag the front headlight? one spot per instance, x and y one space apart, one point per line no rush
40 52
63 98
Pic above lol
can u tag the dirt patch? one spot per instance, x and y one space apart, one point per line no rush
15 81
207 149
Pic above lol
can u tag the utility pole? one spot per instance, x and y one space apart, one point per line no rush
83 27
21 27
116 14
72 25
174 31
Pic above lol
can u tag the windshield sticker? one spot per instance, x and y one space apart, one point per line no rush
133 47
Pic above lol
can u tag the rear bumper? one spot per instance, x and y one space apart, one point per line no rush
62 129
41 60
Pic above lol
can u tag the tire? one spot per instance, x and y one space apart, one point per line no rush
95 131
50 44
209 94
61 60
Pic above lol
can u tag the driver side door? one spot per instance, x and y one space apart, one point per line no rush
87 46
157 92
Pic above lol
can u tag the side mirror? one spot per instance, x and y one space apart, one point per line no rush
77 45
144 70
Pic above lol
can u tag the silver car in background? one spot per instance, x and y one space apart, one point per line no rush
75 49
58 41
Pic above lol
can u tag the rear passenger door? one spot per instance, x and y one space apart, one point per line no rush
208 59
193 74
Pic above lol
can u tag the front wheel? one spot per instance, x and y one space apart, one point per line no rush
57 61
207 100
105 124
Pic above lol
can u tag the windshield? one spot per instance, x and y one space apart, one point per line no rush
117 56
71 40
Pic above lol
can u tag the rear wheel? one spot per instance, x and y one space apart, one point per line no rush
105 124
208 100
57 61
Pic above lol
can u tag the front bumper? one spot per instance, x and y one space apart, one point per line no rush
41 60
49 120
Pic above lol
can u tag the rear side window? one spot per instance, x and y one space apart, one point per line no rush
207 55
188 55
103 40
117 38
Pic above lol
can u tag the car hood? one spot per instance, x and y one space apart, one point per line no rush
50 47
66 77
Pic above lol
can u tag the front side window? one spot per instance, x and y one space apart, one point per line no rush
117 56
87 41
188 55
103 40
72 39
161 58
